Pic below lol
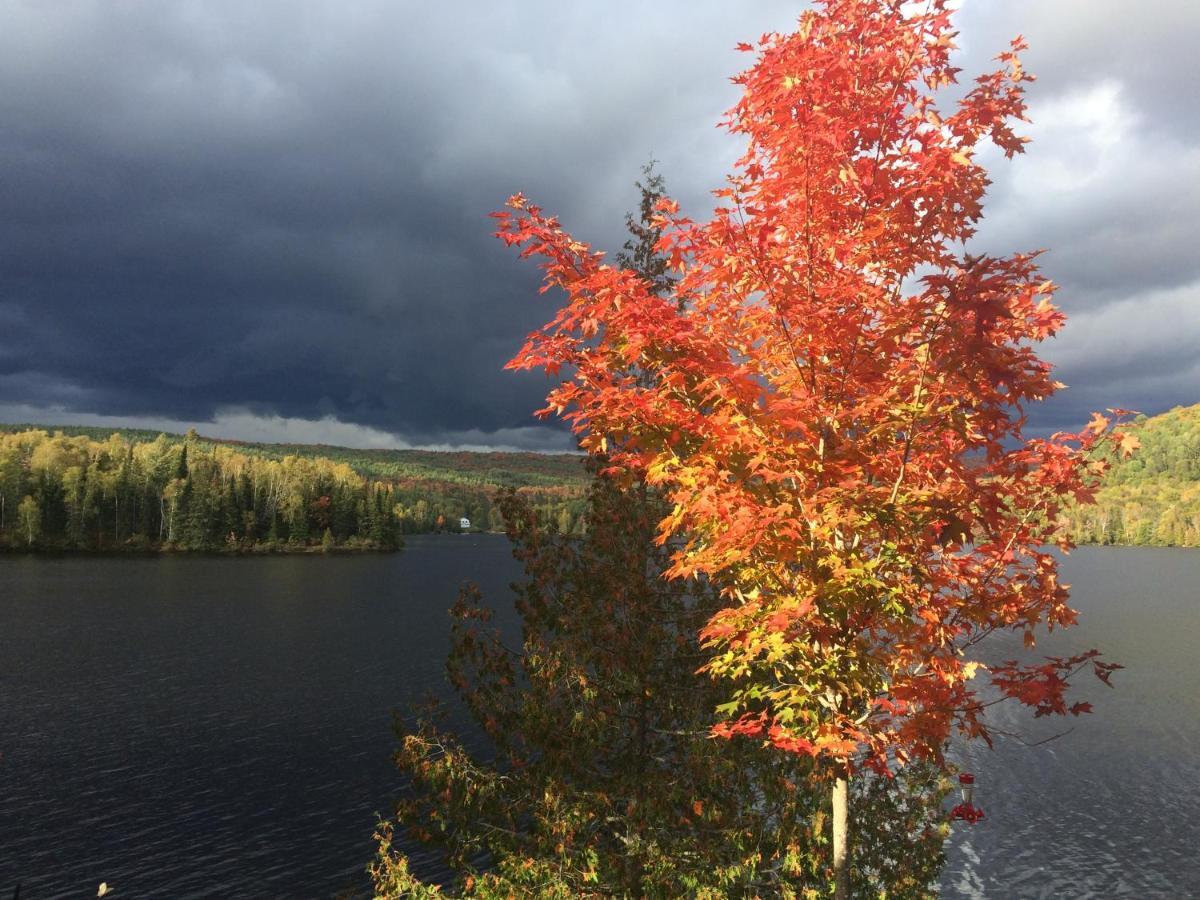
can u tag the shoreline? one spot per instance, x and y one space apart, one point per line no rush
313 550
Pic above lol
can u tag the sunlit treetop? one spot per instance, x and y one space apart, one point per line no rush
833 393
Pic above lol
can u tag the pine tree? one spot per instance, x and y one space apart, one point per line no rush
606 781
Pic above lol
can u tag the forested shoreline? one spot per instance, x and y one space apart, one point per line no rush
1153 498
93 489
70 490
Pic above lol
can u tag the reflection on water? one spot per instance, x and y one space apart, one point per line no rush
197 727
1109 809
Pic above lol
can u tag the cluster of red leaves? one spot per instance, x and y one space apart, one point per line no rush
833 395
1043 687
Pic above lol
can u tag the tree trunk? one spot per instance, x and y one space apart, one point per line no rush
841 844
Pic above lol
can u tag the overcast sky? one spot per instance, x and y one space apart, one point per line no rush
268 219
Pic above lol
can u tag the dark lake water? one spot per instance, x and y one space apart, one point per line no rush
1111 809
199 727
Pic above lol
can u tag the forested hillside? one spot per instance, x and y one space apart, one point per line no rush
95 489
1154 497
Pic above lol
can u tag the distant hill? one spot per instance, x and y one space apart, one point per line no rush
1154 497
103 488
498 468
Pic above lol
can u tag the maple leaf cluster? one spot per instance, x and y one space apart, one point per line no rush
832 394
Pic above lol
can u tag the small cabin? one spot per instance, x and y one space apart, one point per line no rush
464 524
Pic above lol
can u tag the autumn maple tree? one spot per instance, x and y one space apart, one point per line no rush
598 776
832 397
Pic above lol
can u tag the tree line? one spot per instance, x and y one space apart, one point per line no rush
62 491
1152 499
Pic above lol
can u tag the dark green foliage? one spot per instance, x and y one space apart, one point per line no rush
641 254
98 489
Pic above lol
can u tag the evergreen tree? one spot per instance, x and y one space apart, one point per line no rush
640 252
606 781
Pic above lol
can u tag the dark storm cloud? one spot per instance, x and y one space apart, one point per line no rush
281 209
1110 185
1074 44
271 216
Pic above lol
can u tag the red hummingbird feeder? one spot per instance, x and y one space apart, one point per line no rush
967 811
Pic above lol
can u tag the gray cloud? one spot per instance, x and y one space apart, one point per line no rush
1110 186
275 212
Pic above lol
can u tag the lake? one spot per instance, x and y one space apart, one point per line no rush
218 726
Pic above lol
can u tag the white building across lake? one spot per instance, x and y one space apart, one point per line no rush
464 523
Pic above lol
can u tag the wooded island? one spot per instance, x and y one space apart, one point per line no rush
93 489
